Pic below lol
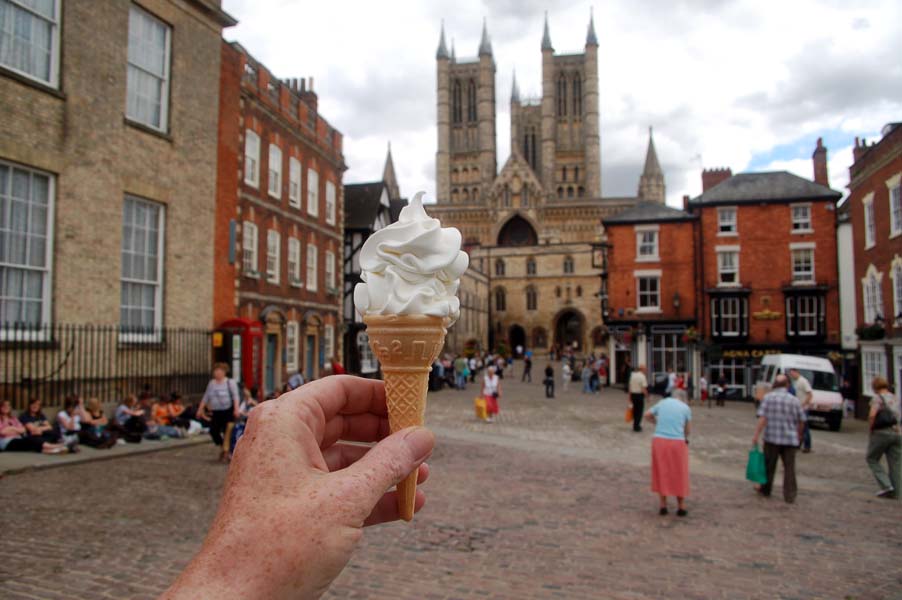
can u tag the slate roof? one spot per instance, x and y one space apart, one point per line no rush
648 212
763 187
362 204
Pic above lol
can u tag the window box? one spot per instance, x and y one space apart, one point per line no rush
296 282
870 333
252 274
332 291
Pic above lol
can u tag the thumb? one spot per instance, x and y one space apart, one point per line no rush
387 463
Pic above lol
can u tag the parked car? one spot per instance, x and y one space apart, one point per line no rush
827 407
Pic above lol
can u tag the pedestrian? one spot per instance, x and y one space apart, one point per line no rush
527 369
671 382
222 400
471 367
460 372
885 439
519 350
782 420
337 367
802 390
638 388
549 381
703 389
586 377
491 391
670 452
593 379
295 381
721 390
567 373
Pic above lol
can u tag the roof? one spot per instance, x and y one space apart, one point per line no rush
362 202
763 187
648 212
394 209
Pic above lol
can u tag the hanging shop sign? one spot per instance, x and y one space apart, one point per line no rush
749 352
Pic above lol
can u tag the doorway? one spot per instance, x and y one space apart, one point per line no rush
310 358
269 375
517 337
568 331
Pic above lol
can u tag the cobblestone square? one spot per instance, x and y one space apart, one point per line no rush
550 501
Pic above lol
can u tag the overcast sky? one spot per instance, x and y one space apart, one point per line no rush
746 84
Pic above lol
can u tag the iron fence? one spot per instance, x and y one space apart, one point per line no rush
102 361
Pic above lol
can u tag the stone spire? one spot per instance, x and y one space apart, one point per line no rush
485 44
546 36
389 178
515 89
453 51
591 38
442 51
651 182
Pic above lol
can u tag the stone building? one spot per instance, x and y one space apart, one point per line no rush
107 175
279 224
874 208
534 227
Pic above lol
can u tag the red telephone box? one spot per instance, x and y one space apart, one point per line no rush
239 344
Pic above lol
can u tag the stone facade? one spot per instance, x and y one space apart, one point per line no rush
540 216
875 203
73 128
282 221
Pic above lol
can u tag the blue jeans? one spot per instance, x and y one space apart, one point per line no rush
461 381
806 435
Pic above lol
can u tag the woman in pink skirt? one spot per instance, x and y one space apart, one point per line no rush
670 452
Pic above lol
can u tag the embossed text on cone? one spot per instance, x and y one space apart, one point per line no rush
406 346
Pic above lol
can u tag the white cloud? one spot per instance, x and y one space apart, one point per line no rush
720 80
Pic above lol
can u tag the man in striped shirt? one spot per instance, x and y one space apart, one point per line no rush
782 419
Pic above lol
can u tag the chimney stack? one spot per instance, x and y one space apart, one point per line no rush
859 149
819 158
711 177
686 202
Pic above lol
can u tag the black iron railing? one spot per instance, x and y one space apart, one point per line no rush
102 361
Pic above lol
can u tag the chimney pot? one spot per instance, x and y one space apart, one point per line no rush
819 161
711 177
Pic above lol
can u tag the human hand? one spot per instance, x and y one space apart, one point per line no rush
296 500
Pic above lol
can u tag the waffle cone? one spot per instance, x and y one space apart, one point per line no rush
406 346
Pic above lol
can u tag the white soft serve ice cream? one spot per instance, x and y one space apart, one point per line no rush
411 267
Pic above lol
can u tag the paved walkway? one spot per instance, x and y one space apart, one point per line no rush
551 501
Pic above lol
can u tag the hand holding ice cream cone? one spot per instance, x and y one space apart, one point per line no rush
408 299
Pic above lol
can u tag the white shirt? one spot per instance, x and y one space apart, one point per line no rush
490 385
638 382
803 391
671 381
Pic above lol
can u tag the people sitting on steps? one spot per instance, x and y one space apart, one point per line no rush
14 437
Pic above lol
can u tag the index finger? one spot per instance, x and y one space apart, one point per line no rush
347 395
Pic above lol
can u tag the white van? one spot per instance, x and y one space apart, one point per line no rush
827 407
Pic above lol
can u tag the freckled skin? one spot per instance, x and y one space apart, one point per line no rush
295 501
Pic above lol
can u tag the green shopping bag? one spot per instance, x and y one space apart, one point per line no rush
755 470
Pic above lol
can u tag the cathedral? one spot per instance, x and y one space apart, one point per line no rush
534 228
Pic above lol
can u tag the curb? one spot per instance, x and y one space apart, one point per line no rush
146 447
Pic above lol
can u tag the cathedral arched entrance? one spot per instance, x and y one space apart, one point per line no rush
516 337
568 329
517 232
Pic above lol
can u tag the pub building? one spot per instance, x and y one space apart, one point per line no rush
766 269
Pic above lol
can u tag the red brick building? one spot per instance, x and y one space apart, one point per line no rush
651 304
874 207
279 225
766 269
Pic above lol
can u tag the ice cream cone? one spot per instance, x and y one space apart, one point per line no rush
406 346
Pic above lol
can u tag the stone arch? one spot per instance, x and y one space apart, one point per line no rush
569 325
517 231
516 336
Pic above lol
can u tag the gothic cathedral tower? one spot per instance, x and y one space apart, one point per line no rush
569 159
465 162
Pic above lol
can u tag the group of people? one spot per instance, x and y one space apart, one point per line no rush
84 422
783 427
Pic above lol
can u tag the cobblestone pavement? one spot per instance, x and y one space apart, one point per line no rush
551 501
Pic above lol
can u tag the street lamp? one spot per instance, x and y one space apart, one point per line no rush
676 301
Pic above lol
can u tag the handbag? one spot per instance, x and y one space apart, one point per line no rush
628 417
885 418
755 470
